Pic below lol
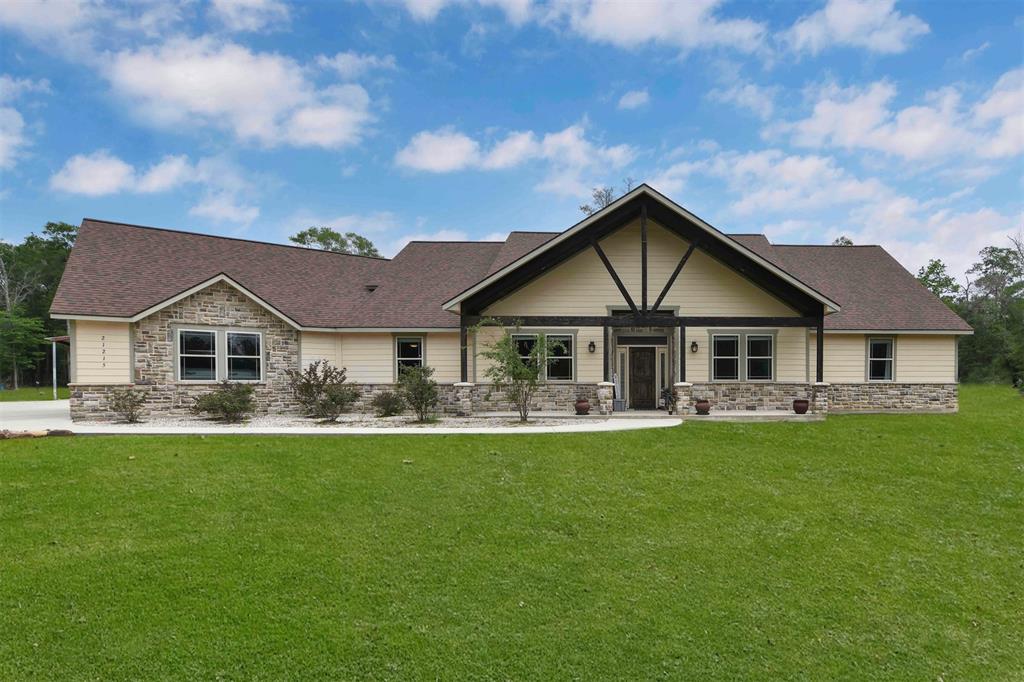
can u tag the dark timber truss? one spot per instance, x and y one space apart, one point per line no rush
811 312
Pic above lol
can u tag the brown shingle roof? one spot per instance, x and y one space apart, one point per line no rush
120 270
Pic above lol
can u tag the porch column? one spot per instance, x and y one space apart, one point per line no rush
820 339
464 350
682 353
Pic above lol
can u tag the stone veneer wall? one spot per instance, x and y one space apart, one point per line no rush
735 395
883 397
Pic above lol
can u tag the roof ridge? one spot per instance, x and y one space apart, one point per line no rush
234 239
838 246
454 241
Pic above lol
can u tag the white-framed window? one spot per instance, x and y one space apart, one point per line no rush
408 353
197 355
880 359
725 357
760 357
560 357
245 356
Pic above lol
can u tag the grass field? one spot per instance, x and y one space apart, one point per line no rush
32 393
884 547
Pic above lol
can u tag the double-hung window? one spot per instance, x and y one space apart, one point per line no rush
725 357
525 344
245 356
560 357
408 352
880 359
759 357
197 355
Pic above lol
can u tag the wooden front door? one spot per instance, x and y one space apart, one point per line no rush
641 379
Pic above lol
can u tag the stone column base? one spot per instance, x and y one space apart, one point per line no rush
464 397
684 396
605 393
819 400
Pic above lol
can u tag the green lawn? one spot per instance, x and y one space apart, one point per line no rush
32 393
884 547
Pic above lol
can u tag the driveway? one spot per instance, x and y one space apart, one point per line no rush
35 415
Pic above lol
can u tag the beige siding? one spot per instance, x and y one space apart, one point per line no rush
582 285
369 358
102 352
920 358
321 346
925 359
445 356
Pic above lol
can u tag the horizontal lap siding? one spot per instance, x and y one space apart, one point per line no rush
843 358
445 355
926 359
102 352
582 286
369 358
321 346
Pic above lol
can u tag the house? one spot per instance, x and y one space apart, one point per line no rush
642 295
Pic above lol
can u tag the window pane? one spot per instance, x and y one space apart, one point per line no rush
198 343
881 349
727 346
880 370
560 369
243 344
561 346
759 346
410 349
198 368
525 344
244 369
728 368
759 368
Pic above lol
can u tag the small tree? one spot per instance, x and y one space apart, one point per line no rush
387 404
515 373
128 403
321 390
228 402
417 387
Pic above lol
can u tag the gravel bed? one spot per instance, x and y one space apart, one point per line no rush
358 420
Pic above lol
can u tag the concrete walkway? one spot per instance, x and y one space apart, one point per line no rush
54 414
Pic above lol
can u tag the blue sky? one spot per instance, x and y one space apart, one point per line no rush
894 123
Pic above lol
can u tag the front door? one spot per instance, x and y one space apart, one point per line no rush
641 379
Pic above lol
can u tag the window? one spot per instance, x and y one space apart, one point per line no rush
725 357
245 357
880 359
759 357
408 352
197 355
560 358
524 345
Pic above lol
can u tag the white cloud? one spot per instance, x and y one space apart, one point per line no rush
249 15
863 118
170 172
94 175
568 155
14 134
516 11
42 19
974 52
755 98
258 97
874 25
351 65
634 99
224 207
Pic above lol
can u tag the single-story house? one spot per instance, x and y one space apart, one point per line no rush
642 295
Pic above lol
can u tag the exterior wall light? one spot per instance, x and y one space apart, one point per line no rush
591 347
693 347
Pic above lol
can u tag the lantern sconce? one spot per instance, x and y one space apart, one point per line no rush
693 347
591 347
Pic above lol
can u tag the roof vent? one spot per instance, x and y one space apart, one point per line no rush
370 287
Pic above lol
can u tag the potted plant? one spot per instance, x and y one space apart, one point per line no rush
668 398
800 405
703 406
582 405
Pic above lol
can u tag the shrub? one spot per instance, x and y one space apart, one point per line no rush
417 386
387 404
321 391
228 402
128 404
509 373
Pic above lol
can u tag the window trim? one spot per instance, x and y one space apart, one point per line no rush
773 332
571 357
739 356
228 356
178 355
891 360
422 338
747 357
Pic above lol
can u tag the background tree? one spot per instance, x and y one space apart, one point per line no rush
937 279
21 343
603 196
329 239
842 240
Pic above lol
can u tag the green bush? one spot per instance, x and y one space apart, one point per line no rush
321 391
127 403
387 404
228 402
417 386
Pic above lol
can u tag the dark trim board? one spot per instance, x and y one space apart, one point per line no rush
638 320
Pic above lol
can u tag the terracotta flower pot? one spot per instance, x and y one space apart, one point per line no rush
582 406
800 405
703 406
